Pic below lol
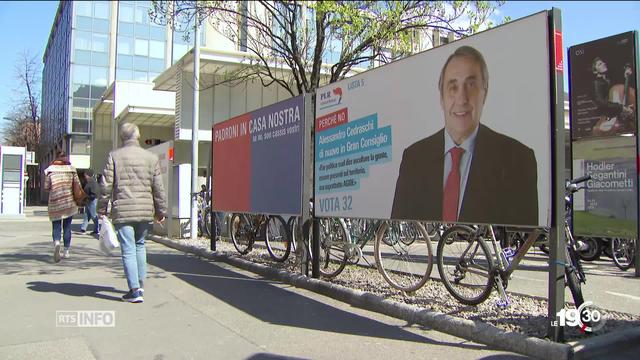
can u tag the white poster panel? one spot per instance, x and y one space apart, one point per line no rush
382 150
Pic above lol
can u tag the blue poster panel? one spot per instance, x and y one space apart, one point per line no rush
257 160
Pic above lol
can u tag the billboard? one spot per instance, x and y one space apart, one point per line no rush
608 205
383 138
603 87
257 160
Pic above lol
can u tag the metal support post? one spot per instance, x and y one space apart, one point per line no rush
195 129
557 246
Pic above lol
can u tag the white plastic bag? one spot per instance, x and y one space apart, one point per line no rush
108 237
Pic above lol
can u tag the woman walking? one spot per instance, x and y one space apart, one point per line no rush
59 179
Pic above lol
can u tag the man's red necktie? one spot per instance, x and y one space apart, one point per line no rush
451 196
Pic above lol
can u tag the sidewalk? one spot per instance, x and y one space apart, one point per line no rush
193 308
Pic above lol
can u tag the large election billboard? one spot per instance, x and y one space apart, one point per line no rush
608 206
258 159
603 87
459 133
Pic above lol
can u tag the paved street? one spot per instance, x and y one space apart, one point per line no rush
193 309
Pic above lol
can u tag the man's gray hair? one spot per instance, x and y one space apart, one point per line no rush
473 54
129 131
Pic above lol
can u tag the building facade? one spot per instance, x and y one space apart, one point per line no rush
107 62
92 44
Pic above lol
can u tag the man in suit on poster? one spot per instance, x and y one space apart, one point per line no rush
467 172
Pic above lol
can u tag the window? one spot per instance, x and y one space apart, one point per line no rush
100 59
99 77
181 46
83 8
100 42
332 51
141 63
156 49
140 76
81 108
125 13
125 28
124 62
81 74
156 65
12 167
83 23
101 26
82 57
101 9
125 45
80 145
122 74
142 15
158 33
243 25
285 10
142 47
83 40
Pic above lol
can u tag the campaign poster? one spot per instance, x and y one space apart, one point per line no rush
257 160
603 87
382 138
608 206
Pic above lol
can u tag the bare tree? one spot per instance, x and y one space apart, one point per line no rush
22 126
287 41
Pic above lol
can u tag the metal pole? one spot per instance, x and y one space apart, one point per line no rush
307 179
315 248
195 128
214 229
557 247
637 67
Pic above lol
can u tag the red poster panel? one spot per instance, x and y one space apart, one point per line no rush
232 170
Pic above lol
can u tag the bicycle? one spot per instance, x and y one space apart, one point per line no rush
333 237
204 215
623 252
469 270
402 250
245 229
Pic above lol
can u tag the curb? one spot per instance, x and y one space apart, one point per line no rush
467 329
603 345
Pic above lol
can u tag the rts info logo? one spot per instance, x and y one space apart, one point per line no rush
584 317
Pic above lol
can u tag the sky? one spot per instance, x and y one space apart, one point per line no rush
26 25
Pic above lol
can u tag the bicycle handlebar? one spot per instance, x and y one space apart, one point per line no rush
581 179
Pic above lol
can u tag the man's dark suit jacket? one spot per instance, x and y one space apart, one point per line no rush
501 185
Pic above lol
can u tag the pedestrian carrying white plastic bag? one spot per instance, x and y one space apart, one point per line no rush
108 237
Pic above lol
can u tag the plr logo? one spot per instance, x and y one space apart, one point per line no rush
585 317
86 318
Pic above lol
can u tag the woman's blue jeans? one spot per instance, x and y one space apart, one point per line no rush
63 226
134 256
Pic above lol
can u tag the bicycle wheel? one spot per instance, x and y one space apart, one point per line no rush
433 228
465 265
292 225
573 277
277 238
594 249
404 254
240 229
333 241
623 251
